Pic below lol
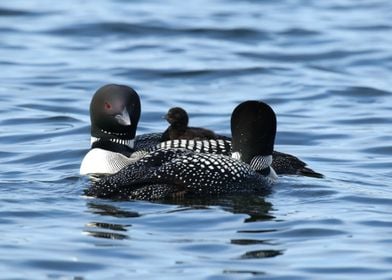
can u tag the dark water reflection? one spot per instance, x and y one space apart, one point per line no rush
253 209
110 210
256 209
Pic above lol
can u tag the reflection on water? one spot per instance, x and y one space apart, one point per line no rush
260 254
108 226
250 242
106 235
93 229
104 229
255 206
244 272
256 210
105 209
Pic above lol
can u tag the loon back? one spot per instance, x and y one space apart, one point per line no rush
282 163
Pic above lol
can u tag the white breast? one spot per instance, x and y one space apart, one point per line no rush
99 161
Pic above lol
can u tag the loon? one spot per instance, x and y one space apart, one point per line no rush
180 173
114 115
179 129
115 112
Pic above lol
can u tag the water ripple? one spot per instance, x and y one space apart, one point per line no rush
324 66
60 265
301 57
198 73
15 12
160 30
361 92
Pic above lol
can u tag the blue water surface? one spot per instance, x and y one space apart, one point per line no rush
324 66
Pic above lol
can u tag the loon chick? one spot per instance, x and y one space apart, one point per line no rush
179 129
180 173
114 115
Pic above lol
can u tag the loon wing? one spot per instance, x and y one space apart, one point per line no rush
288 164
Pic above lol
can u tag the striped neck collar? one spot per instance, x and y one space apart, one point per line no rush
257 162
130 143
260 162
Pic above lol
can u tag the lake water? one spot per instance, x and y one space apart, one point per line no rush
324 66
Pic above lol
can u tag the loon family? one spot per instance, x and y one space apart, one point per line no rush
182 161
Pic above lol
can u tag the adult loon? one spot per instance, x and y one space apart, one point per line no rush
115 112
114 115
175 172
178 119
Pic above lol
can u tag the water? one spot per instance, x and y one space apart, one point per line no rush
324 66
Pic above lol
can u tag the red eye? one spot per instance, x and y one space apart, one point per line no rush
108 106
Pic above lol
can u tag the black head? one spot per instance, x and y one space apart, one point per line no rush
114 112
177 116
253 129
